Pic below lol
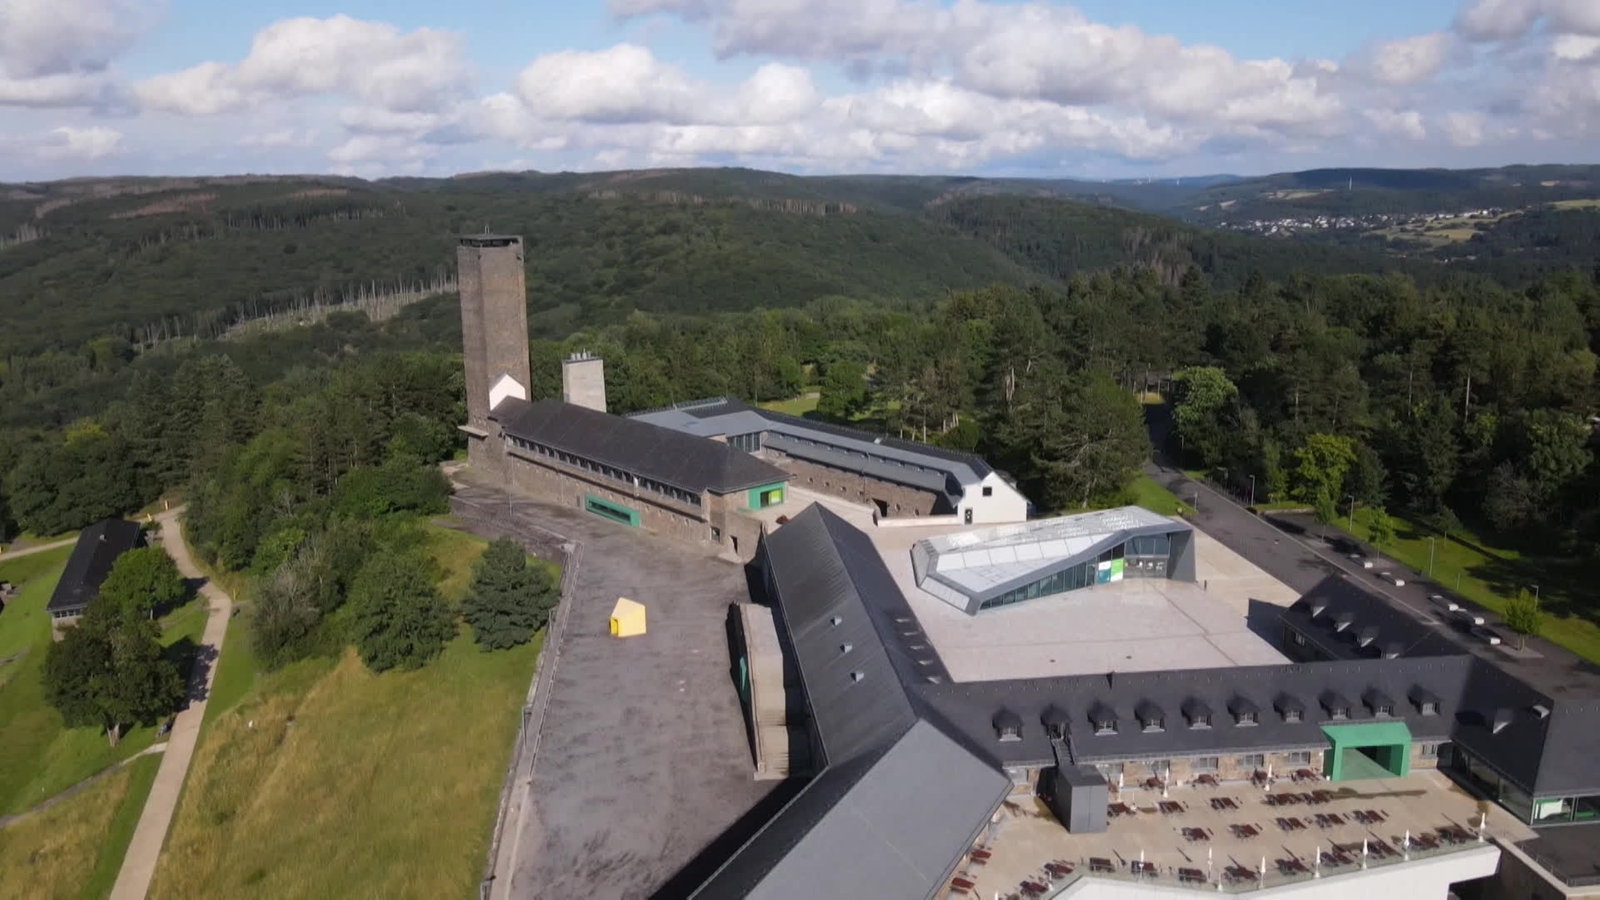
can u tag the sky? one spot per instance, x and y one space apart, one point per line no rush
1091 89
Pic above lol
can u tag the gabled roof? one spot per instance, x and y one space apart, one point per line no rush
897 798
1347 621
693 464
892 823
882 456
97 550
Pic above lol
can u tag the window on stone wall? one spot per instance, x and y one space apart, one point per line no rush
1430 751
1204 764
1298 758
1253 760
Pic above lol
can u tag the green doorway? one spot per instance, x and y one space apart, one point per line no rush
1368 750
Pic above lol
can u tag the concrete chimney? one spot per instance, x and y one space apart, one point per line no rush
583 381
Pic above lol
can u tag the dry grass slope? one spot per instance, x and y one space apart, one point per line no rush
53 853
327 780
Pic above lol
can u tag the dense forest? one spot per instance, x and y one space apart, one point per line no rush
1021 327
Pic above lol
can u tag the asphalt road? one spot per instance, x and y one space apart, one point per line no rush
1294 552
642 760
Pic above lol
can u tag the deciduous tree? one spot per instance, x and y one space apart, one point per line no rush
142 581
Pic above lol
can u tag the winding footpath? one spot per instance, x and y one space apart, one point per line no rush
31 549
139 865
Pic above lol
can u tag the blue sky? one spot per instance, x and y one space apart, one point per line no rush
1096 88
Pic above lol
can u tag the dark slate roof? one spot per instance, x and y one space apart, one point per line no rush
970 706
694 464
912 760
897 798
97 549
1347 621
738 417
892 823
851 684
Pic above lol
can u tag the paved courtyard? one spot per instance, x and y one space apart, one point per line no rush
642 760
1135 625
1421 803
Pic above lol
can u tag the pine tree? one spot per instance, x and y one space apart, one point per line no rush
400 619
509 600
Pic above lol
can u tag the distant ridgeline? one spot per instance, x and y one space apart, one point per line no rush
149 260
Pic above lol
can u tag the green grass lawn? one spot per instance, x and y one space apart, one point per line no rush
410 761
25 618
797 406
58 852
238 671
29 539
39 755
1146 492
1491 576
119 833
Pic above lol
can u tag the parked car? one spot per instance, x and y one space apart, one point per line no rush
1392 578
1361 560
1485 635
1470 617
1444 603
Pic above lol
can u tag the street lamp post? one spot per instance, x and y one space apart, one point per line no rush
1252 490
1352 499
1536 593
1430 556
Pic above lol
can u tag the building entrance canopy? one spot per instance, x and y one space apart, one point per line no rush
1368 750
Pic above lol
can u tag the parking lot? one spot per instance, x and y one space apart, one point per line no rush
642 760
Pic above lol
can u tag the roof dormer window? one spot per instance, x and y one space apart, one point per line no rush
1007 726
1151 718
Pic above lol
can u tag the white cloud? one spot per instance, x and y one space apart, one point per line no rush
625 83
54 37
1465 129
1408 60
81 144
285 138
1487 20
1499 20
1399 123
56 52
1575 48
1035 51
372 62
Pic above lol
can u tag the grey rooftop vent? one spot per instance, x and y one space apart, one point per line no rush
1502 717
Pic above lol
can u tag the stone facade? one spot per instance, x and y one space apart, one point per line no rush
716 520
892 500
494 319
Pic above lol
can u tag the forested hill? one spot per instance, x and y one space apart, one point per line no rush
135 262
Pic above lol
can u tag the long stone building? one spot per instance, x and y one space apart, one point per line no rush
695 471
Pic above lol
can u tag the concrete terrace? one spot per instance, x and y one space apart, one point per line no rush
642 769
1132 625
1025 838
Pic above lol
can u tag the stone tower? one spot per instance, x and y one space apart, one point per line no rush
583 380
494 335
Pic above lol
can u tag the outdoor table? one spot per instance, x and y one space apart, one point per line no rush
1196 834
1100 864
1207 780
1058 869
1142 868
1170 807
1191 876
